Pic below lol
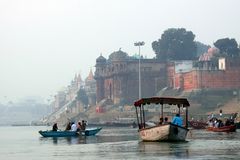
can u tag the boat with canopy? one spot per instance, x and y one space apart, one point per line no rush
162 132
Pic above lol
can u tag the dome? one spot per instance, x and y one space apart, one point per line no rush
101 59
118 56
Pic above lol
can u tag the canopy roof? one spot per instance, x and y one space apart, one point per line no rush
162 100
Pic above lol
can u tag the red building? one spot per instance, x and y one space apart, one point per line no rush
226 75
117 77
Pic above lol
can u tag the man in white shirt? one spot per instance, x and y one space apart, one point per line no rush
73 127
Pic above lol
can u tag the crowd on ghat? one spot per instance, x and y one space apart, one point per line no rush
71 126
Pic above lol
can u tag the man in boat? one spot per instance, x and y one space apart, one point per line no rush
73 127
79 126
83 125
161 121
68 127
55 127
165 120
177 120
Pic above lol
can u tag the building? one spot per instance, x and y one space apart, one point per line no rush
209 73
90 88
117 78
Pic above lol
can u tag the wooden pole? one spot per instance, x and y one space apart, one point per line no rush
186 117
143 116
162 111
137 117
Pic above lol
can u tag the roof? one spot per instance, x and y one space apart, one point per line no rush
90 76
118 56
101 59
162 100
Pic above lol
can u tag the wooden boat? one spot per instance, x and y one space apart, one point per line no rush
58 133
164 132
197 124
87 132
231 128
90 131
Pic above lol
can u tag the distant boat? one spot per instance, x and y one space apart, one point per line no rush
87 132
161 132
197 124
231 128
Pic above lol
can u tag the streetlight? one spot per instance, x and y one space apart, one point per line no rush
139 44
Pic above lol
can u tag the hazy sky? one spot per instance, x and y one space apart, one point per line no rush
43 43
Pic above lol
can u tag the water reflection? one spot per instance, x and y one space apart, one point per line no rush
107 134
55 140
180 149
64 140
86 140
124 143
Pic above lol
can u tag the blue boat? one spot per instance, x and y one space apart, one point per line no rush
90 131
87 132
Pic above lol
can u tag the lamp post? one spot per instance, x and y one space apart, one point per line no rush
139 44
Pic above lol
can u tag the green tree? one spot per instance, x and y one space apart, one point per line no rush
201 48
228 47
82 96
175 44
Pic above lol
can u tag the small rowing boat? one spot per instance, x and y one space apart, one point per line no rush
86 132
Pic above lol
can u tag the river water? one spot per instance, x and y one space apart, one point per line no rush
23 143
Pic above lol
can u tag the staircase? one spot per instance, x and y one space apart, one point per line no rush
57 114
167 92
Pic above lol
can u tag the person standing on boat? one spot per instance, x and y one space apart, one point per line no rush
177 120
55 127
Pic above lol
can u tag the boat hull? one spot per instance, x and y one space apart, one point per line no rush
197 124
167 132
90 131
87 132
58 133
231 128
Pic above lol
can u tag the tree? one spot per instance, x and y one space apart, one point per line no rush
201 48
82 96
175 44
227 47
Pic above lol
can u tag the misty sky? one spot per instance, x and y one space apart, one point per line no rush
44 43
